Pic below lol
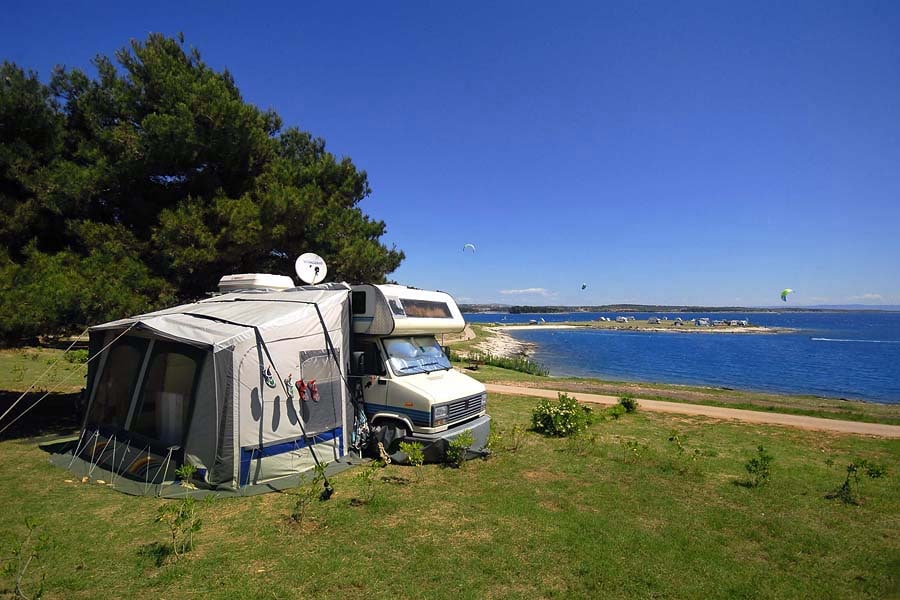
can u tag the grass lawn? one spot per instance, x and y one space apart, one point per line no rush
619 512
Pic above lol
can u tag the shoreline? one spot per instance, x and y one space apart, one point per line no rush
640 326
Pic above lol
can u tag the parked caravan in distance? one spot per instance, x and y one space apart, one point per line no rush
255 387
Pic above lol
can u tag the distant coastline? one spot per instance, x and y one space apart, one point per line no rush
663 308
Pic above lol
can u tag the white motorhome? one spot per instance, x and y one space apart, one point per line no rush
410 389
254 387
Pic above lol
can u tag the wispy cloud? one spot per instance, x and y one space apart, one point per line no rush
527 291
864 297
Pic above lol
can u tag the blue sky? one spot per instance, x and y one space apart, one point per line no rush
697 152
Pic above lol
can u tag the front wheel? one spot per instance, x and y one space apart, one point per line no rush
389 434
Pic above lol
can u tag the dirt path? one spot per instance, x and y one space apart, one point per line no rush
717 412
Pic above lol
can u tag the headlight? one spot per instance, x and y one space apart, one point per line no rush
484 400
439 415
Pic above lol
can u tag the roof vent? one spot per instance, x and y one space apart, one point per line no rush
254 281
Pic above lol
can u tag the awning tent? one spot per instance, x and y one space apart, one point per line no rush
244 386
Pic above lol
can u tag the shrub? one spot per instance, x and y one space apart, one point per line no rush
517 363
615 411
561 418
848 492
628 403
183 521
415 455
516 437
307 494
494 440
758 467
185 473
458 448
77 357
367 480
631 450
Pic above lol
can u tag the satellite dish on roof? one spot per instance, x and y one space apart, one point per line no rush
310 268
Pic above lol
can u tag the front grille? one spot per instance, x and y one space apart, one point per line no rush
463 408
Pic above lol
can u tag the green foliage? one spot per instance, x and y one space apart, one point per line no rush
516 438
758 468
517 363
307 494
77 357
614 412
144 185
581 444
561 418
849 491
458 448
414 453
24 552
632 451
494 440
628 403
183 519
186 473
367 477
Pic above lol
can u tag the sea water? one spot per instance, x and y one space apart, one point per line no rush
853 355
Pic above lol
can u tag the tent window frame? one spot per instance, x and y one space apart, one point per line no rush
197 355
138 343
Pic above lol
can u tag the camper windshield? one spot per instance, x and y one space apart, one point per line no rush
419 354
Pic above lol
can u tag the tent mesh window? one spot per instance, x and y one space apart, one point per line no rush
163 408
116 385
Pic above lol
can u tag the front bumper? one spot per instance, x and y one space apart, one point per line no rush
435 444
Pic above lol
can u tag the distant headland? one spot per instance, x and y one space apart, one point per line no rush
665 308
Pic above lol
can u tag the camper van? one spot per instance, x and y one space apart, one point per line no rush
409 388
257 385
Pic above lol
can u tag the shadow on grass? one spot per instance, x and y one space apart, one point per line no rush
156 552
396 480
746 483
57 414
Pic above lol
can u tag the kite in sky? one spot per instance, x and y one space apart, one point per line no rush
472 246
784 294
584 286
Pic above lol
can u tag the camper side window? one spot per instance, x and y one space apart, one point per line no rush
165 400
372 358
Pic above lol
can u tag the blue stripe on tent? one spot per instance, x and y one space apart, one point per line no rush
419 417
249 454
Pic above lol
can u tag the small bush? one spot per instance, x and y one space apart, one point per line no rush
628 403
458 448
183 520
848 492
494 440
415 456
581 444
758 468
517 363
77 357
632 450
367 478
562 418
615 412
185 473
516 437
307 494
